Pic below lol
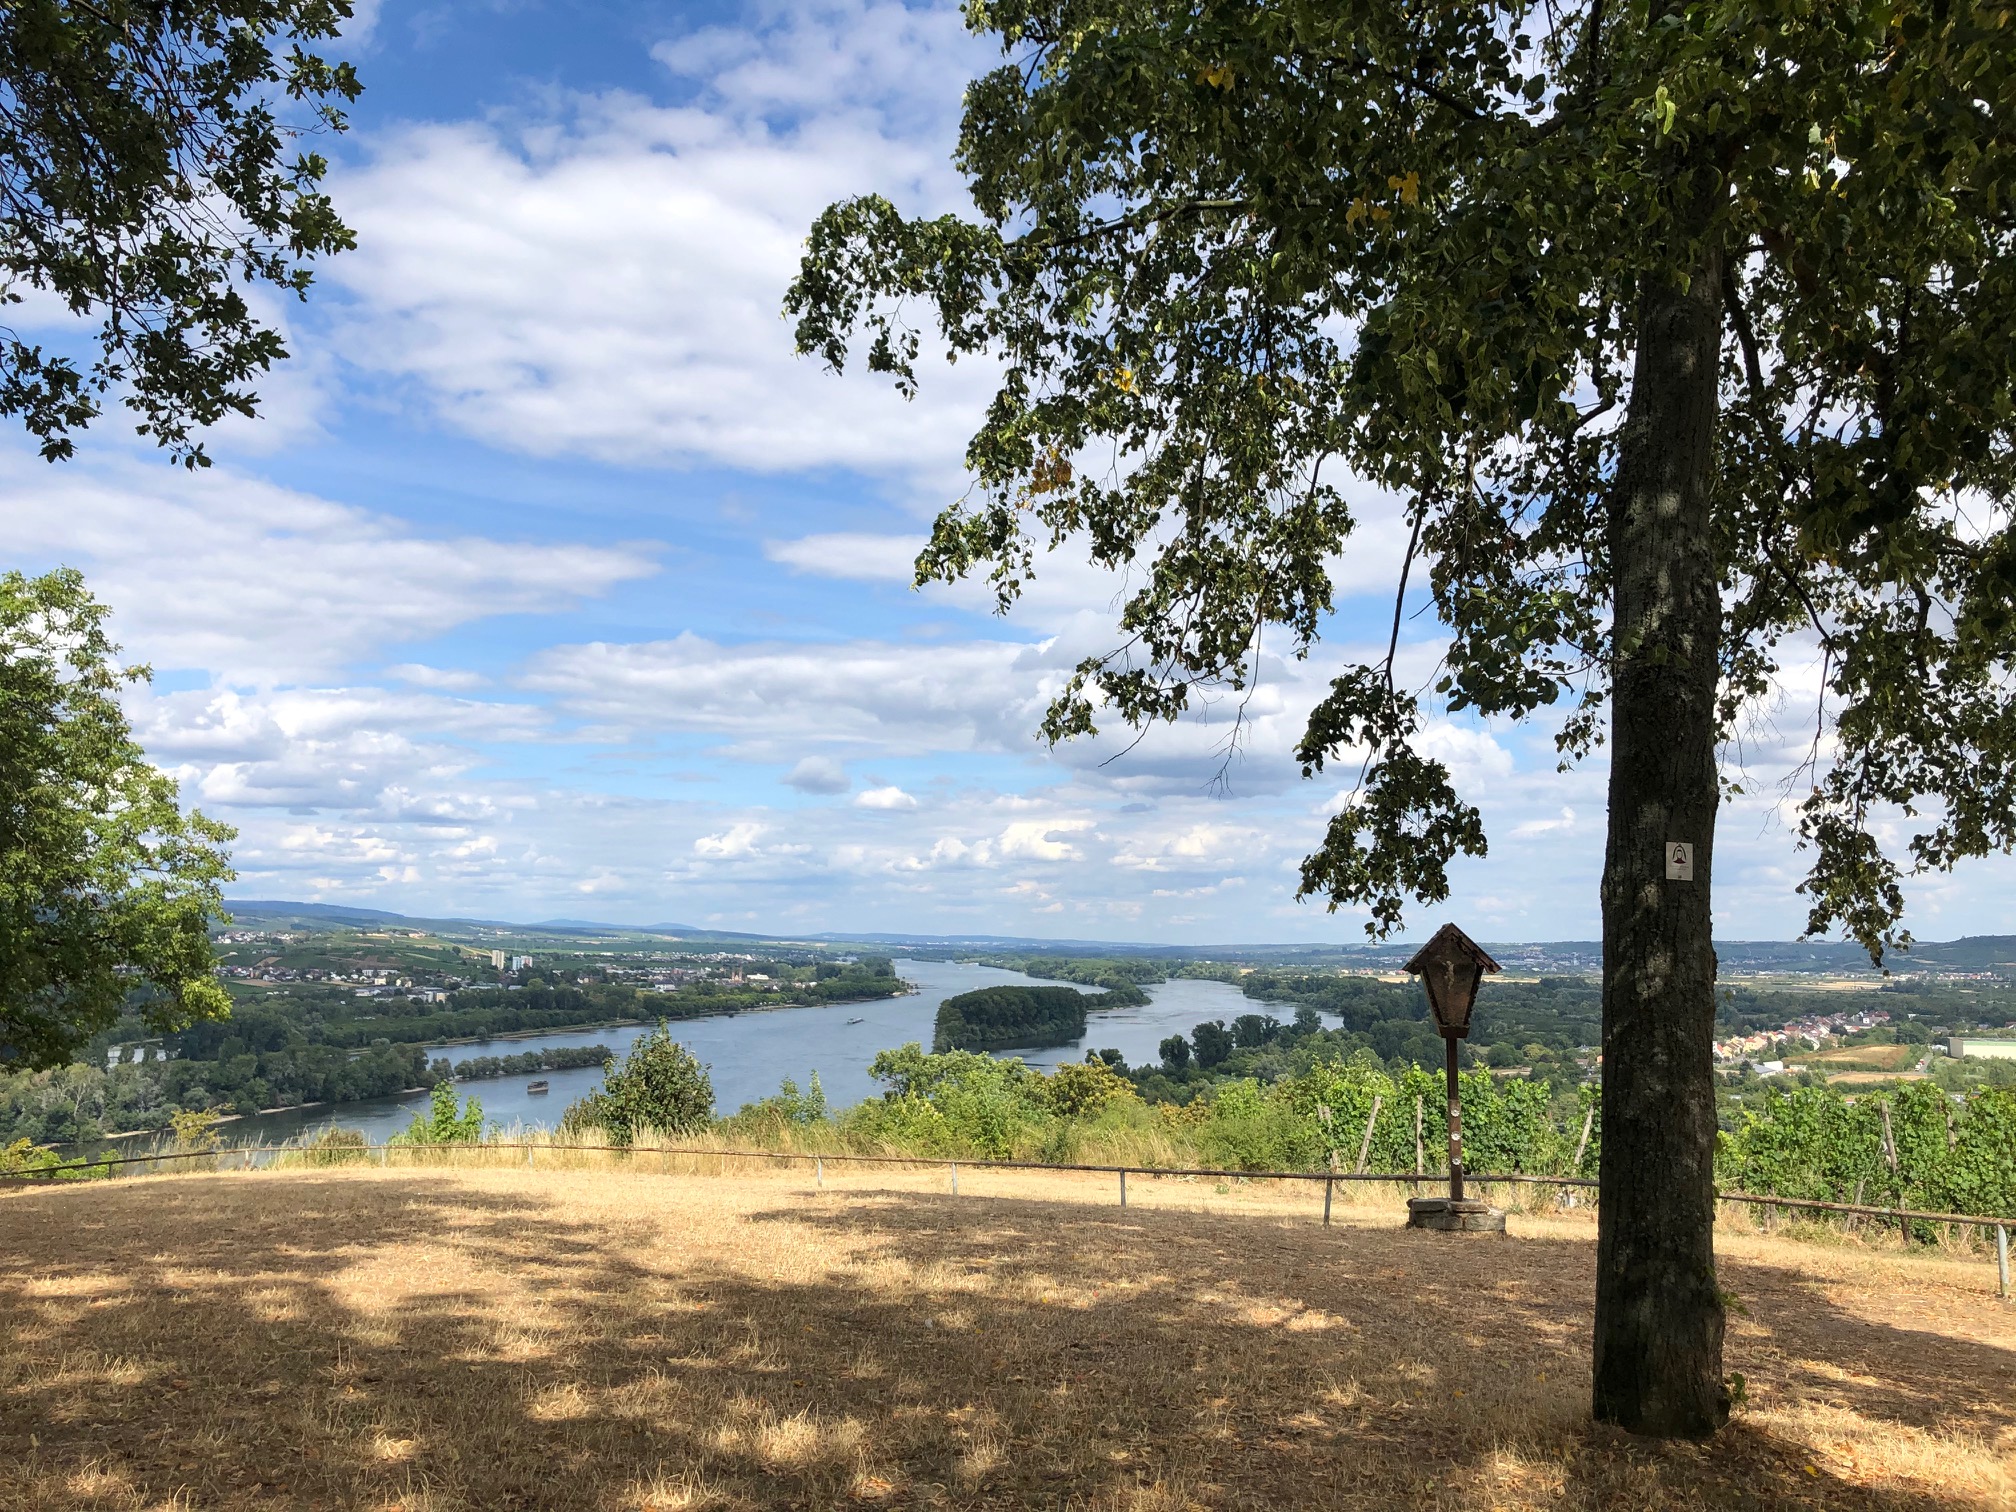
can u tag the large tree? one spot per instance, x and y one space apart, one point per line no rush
150 175
1680 332
106 886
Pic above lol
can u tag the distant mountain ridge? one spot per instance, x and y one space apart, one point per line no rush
1970 953
245 911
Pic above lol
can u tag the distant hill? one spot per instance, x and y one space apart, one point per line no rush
1561 957
268 913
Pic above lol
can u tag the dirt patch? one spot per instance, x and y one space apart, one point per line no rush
574 1339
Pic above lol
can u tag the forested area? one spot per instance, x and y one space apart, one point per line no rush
1022 1018
82 1101
526 1063
316 1044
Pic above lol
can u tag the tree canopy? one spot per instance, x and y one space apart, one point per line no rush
148 182
1234 250
1679 331
106 886
661 1088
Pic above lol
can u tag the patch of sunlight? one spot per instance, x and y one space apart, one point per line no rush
1874 1451
687 1492
796 1441
566 1403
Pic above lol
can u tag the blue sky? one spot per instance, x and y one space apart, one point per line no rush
551 583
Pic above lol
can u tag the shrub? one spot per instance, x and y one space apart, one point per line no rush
442 1123
660 1088
1082 1089
332 1147
24 1158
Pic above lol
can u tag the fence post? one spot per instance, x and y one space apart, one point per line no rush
1890 1155
2002 1261
528 1154
1328 1183
382 1153
819 1170
1365 1145
955 1178
1123 1186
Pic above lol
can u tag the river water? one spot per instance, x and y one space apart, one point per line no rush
749 1053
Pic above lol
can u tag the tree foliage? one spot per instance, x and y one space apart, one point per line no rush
107 887
659 1089
1227 253
148 182
444 1122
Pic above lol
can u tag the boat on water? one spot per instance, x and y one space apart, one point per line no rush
537 1087
857 1021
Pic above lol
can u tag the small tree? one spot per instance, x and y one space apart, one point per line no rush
106 886
1079 1089
660 1088
442 1123
1214 1044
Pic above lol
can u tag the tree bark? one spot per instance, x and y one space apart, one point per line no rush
1659 1314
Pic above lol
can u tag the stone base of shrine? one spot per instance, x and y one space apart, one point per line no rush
1449 1215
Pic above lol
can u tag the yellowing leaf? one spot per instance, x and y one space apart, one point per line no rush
1409 187
1218 76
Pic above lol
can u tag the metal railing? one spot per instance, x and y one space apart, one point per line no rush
340 1154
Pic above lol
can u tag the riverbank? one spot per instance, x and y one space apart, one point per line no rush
748 1052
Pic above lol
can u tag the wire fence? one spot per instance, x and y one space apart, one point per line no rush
249 1158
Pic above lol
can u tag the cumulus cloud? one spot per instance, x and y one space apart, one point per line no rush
605 280
255 583
888 697
422 676
818 774
884 798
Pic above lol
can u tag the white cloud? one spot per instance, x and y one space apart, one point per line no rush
851 555
818 774
893 698
735 841
1533 828
422 676
349 749
256 584
885 798
606 281
1037 839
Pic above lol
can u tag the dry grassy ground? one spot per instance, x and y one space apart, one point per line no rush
494 1339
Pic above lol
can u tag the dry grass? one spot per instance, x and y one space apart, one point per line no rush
1866 1057
493 1338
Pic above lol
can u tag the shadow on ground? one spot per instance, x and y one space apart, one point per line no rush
439 1341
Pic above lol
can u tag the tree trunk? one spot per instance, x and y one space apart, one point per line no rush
1659 1316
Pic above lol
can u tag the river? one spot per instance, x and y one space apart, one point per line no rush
748 1054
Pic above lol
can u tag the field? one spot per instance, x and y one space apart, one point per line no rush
1864 1058
498 1338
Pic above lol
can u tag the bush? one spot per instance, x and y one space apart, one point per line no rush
441 1123
1081 1090
660 1088
330 1148
22 1158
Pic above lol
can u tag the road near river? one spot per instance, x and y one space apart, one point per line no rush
749 1053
